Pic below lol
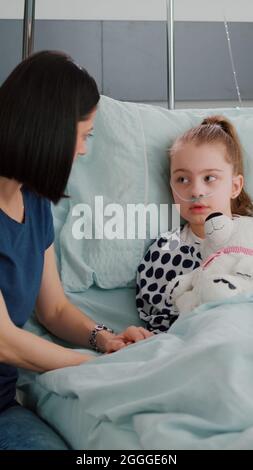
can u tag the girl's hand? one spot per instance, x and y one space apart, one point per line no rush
108 342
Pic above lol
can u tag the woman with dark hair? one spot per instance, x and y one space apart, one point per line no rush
47 109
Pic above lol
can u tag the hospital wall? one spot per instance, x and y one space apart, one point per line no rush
123 44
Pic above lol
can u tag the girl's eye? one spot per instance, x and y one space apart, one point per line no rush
210 178
182 179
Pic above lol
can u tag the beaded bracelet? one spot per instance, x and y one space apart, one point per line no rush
93 335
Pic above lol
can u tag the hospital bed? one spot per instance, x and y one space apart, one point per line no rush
188 389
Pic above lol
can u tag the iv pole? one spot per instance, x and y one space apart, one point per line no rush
170 54
28 28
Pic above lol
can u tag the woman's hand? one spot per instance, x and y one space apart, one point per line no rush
108 342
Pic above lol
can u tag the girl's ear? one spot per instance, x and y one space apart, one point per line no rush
237 185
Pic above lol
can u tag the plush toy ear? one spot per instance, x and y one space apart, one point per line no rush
218 231
212 215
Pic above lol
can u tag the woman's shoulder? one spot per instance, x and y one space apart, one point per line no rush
41 215
39 207
35 199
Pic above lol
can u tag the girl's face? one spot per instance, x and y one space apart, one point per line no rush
84 129
203 170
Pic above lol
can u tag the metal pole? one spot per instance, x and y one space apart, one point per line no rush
170 54
28 28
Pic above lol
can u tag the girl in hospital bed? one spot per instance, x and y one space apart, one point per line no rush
206 169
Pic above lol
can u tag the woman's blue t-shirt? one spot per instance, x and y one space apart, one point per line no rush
22 248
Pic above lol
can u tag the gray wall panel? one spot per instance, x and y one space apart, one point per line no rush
242 44
11 33
81 39
203 66
134 58
132 63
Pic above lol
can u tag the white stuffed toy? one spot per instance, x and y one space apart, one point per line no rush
227 268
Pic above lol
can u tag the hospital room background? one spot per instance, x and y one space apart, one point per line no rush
161 66
112 37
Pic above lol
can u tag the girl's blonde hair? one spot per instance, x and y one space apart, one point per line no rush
218 129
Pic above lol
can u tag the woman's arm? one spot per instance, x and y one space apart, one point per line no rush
21 348
65 320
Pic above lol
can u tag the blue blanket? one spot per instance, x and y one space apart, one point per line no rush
188 389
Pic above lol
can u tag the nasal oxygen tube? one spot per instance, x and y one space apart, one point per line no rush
192 199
